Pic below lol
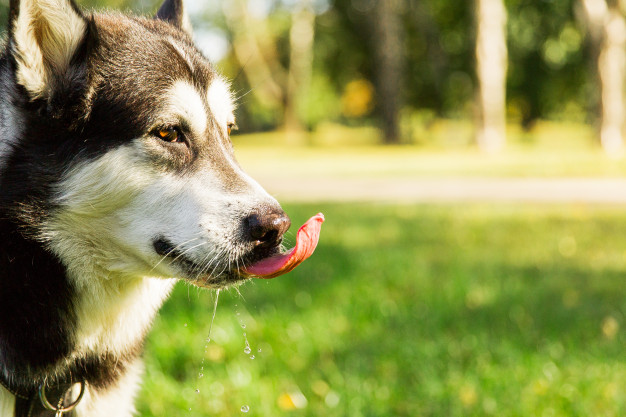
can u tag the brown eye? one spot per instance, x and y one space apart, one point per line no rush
169 134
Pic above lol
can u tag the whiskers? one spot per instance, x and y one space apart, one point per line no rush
209 265
242 95
176 248
218 265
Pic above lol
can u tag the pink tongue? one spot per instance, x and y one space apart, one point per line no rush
306 241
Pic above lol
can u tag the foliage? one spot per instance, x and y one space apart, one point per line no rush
550 67
550 70
407 310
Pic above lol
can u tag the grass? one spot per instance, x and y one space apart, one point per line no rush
407 310
550 150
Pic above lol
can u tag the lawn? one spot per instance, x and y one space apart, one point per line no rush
550 150
411 310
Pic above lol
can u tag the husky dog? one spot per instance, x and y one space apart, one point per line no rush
116 174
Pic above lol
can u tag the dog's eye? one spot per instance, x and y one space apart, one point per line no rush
230 127
169 134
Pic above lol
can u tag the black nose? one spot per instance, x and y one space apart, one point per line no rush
266 226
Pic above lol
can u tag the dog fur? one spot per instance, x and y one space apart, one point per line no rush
99 214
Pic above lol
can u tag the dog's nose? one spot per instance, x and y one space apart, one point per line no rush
267 226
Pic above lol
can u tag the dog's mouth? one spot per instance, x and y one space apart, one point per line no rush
214 273
259 262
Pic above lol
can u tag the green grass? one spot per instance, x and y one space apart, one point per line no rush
409 310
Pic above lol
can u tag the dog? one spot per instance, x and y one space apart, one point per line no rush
117 178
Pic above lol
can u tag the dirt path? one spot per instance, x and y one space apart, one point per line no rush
424 190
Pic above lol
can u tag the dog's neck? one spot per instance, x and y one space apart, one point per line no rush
57 328
114 313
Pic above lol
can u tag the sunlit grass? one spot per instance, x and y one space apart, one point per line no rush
550 150
408 310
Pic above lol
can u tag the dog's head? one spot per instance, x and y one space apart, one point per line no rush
127 125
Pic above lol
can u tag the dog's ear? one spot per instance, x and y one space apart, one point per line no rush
173 11
44 36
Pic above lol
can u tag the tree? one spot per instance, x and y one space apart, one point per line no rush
254 48
301 36
491 65
607 29
388 66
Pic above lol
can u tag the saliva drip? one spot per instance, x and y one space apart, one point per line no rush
208 339
247 349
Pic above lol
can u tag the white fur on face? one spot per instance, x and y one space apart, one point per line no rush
221 102
60 30
185 103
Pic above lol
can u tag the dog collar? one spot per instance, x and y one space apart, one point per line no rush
37 402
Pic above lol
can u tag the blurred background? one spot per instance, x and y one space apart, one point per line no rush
469 159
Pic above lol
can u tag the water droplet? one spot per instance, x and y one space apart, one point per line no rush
251 356
259 350
197 391
185 324
200 375
238 313
247 350
245 408
243 326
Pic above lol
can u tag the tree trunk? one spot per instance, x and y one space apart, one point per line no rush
301 38
491 67
388 65
611 67
259 62
607 28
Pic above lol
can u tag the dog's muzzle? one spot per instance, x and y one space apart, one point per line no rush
261 232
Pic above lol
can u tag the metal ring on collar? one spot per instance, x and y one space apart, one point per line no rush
60 408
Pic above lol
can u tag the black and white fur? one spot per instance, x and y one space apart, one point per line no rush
98 213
